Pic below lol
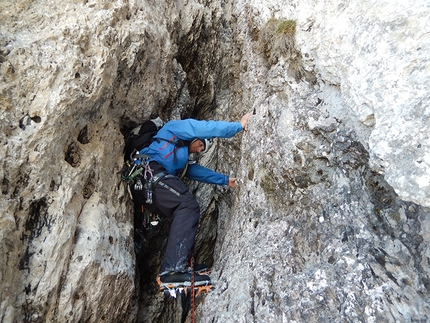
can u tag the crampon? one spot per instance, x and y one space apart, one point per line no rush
173 289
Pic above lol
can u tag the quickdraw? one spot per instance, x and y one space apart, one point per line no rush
149 180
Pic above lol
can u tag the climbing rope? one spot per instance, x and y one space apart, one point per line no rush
192 290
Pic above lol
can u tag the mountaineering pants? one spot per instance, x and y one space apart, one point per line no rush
180 205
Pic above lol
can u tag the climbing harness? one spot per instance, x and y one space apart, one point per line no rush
141 169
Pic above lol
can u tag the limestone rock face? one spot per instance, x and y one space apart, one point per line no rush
330 218
69 73
330 222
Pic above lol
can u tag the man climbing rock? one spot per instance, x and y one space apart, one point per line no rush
168 196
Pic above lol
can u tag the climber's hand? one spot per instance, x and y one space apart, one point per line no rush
244 120
231 182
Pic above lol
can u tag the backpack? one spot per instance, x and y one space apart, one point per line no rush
138 138
134 162
141 137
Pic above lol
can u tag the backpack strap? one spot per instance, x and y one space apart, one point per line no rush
177 143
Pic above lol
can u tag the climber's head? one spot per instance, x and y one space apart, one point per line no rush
200 145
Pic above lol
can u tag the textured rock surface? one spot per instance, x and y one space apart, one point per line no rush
316 233
330 219
68 73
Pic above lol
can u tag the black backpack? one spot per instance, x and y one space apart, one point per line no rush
141 137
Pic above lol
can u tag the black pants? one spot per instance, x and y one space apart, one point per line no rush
185 211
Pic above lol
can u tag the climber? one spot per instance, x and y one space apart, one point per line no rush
169 197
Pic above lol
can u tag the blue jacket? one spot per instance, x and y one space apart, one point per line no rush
163 151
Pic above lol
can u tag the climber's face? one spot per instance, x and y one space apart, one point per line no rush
196 146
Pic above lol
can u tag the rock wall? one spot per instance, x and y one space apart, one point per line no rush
73 75
329 221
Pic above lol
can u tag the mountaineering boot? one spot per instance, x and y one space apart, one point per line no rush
181 279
